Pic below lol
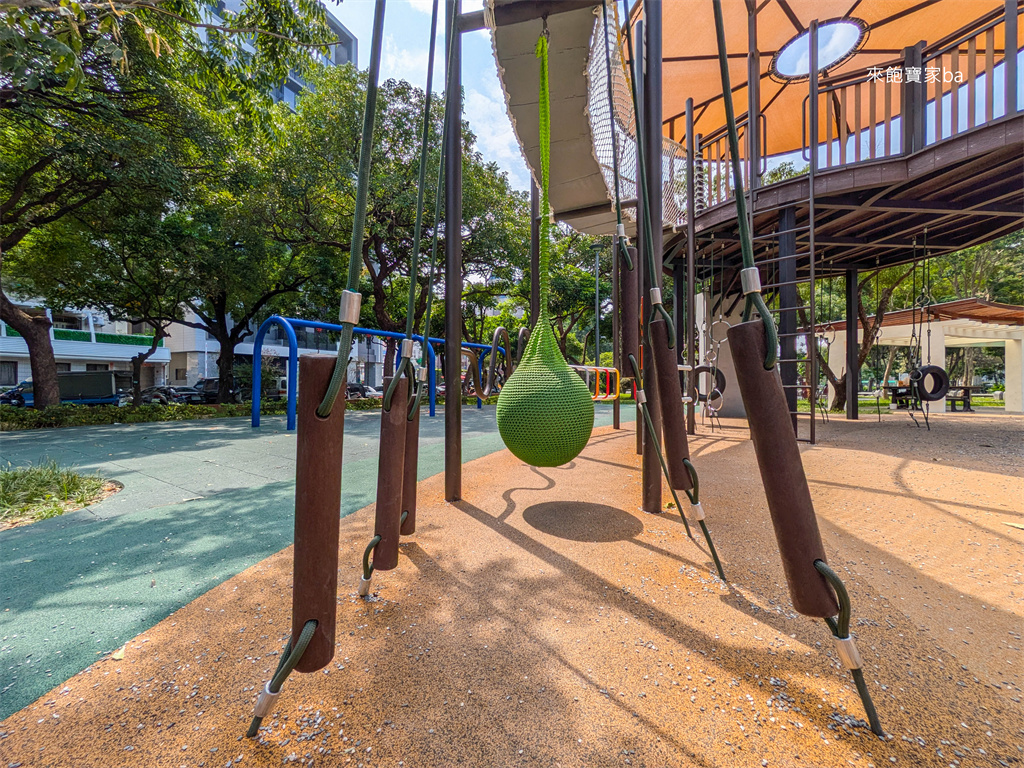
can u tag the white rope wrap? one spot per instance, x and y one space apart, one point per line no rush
620 232
423 374
265 703
655 296
697 511
750 280
351 304
407 345
641 398
847 651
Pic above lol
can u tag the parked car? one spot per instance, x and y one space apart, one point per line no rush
208 388
171 395
77 387
356 391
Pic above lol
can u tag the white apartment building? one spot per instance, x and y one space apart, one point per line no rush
83 340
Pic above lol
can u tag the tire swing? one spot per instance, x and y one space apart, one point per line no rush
545 414
939 386
815 589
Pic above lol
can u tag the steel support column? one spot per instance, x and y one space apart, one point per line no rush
852 347
788 302
453 264
691 271
652 126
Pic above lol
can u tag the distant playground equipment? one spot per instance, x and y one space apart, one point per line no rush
545 409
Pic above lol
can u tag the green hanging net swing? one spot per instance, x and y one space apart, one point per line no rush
545 412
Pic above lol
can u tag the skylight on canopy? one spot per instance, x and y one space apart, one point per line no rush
837 40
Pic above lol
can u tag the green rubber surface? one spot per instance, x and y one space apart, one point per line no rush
202 501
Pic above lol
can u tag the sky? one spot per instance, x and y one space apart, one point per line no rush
404 56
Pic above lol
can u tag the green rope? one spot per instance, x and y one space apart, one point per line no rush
359 222
405 364
290 657
840 627
421 389
754 300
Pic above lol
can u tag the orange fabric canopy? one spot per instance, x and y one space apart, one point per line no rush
690 54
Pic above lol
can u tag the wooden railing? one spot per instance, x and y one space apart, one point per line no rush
927 95
715 160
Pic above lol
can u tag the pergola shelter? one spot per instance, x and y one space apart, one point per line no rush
964 323
907 143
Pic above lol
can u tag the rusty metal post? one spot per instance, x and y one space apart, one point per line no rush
318 455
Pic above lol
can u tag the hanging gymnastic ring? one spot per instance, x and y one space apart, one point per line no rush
940 387
719 382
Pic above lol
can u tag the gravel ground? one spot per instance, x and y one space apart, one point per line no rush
546 621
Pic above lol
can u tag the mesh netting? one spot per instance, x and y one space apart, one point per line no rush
623 142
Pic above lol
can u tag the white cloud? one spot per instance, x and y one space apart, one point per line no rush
488 119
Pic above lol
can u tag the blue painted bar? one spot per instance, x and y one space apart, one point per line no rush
291 323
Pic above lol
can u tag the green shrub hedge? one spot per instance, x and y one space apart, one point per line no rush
12 419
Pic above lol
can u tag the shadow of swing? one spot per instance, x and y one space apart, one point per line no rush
583 521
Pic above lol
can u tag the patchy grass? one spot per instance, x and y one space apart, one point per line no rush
45 490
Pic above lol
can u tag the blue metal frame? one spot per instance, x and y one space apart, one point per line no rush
291 323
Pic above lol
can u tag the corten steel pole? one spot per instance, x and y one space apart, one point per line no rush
691 277
651 125
453 263
534 253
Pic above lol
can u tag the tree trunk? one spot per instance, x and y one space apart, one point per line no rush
137 362
226 370
36 332
389 356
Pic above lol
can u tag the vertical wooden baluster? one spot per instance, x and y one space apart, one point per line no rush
842 128
828 128
972 84
888 119
856 123
719 192
954 99
873 113
990 46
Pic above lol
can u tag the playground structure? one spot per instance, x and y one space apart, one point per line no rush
545 411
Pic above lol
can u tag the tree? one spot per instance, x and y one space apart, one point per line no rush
306 188
88 97
125 263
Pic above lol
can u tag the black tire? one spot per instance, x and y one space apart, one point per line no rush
719 382
940 383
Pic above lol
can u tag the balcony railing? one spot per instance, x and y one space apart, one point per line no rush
70 334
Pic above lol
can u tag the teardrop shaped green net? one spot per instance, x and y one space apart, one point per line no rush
545 412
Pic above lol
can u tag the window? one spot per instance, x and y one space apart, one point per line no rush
97 367
67 322
63 367
8 372
179 374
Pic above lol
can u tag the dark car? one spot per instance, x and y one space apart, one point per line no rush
171 395
208 389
